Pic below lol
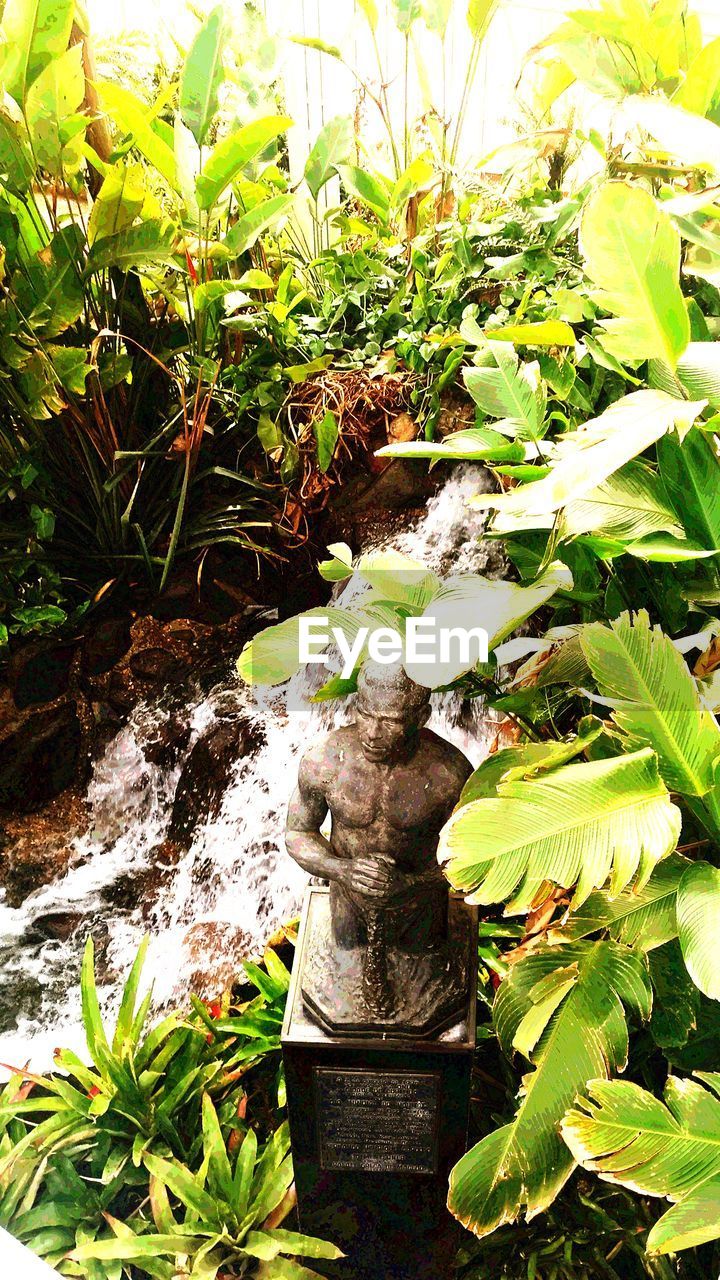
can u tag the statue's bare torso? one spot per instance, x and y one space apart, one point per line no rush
396 808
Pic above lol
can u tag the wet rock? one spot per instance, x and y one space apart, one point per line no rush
155 665
213 951
167 742
40 755
142 889
105 644
40 672
206 774
20 999
37 847
58 925
401 429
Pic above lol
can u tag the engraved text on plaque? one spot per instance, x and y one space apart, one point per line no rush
377 1121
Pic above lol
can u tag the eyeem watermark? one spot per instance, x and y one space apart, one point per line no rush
424 641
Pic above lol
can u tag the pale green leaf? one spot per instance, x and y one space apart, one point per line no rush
654 698
34 32
698 913
117 203
700 89
585 458
632 253
474 444
510 390
418 174
333 146
230 156
54 97
250 226
524 1164
644 918
479 16
202 76
367 189
131 117
669 1148
545 333
146 243
574 827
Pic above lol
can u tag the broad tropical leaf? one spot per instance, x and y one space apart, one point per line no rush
697 373
117 204
476 444
480 14
681 134
564 1007
576 826
53 101
510 390
367 189
202 76
698 913
152 241
251 225
655 699
586 458
691 474
629 505
273 656
669 1148
230 156
632 253
332 147
469 601
529 760
644 918
34 32
132 117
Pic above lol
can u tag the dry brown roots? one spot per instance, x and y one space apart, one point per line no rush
363 406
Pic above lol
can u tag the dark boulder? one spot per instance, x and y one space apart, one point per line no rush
206 774
105 644
40 755
40 672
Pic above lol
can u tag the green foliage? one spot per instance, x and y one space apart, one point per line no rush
668 1148
147 1155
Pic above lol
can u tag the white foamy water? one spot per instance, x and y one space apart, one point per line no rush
236 884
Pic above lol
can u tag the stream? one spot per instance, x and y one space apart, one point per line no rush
235 885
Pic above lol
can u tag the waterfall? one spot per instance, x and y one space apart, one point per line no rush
235 884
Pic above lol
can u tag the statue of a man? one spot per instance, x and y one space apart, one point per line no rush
390 784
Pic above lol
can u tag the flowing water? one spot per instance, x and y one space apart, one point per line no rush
235 885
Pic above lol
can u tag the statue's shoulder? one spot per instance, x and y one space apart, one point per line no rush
437 750
319 763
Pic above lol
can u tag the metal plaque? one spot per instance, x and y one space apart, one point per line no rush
377 1121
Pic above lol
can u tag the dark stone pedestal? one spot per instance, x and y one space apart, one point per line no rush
377 1123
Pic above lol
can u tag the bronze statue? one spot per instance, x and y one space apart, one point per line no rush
386 958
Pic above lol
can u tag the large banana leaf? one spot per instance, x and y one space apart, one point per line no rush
231 155
645 918
691 474
202 76
632 253
564 1008
586 458
507 389
630 504
33 33
655 699
470 601
575 827
698 913
673 1149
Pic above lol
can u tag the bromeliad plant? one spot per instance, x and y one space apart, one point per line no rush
146 1161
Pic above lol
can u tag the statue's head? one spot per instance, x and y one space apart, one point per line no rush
389 711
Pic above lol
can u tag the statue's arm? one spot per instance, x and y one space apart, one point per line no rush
306 813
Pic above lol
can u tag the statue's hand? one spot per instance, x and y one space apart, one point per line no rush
371 877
